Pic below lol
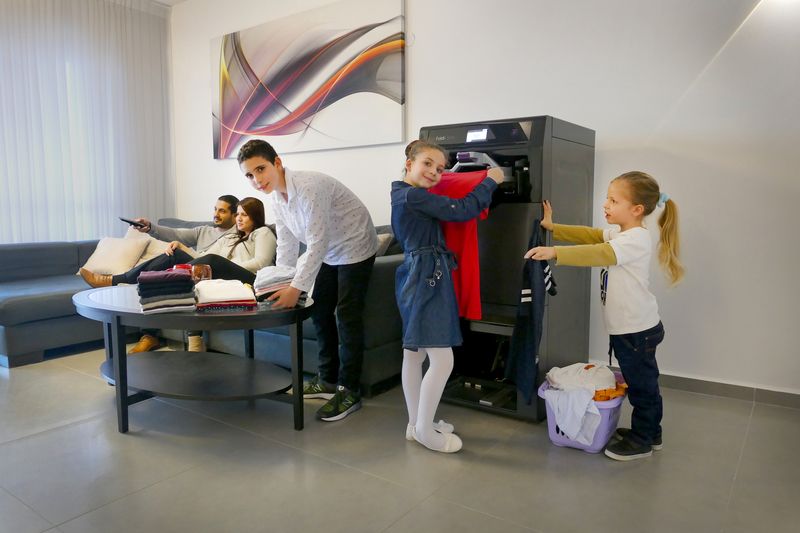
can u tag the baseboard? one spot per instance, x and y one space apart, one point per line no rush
727 390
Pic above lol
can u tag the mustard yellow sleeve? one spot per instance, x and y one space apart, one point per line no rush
577 234
586 255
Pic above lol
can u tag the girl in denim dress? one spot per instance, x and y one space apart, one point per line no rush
424 287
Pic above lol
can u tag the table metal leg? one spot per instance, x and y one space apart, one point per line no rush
249 343
120 357
296 340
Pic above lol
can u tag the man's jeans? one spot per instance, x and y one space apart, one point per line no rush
341 289
636 354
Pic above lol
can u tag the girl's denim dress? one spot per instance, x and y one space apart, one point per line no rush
424 286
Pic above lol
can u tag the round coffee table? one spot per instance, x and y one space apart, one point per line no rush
193 375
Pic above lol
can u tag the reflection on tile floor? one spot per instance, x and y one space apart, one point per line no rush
727 465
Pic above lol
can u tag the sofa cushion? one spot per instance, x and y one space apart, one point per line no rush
24 301
37 259
154 246
115 256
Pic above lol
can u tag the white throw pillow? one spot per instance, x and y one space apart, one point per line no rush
154 247
384 240
115 256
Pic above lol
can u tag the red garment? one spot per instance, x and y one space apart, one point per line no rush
462 240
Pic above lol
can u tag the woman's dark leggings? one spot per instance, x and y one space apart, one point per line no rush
221 268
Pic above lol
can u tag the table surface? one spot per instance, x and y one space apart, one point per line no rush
104 303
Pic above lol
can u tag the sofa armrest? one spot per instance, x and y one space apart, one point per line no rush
382 321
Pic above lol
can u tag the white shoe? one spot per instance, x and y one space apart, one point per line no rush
452 443
441 426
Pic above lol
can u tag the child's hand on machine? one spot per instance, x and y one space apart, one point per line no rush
541 253
496 173
547 219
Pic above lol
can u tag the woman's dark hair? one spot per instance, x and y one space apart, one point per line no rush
255 210
256 148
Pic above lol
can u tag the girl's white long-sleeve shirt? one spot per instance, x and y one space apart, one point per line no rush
628 304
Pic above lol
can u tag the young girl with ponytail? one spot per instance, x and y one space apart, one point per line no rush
629 308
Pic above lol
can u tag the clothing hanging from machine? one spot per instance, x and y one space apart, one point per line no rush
462 240
523 354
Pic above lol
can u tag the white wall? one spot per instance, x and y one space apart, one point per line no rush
703 95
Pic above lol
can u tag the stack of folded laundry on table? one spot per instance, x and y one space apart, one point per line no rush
221 295
571 395
271 279
165 291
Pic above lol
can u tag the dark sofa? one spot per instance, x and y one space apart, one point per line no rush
37 281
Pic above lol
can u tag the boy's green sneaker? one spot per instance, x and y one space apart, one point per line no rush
342 404
317 388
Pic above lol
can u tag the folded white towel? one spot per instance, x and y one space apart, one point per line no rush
270 275
223 290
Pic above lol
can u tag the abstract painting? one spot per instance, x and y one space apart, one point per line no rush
331 77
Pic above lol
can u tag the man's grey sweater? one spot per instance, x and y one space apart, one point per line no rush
199 237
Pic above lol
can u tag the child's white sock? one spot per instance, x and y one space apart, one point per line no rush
441 364
411 376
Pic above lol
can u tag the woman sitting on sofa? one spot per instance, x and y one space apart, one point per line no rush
234 256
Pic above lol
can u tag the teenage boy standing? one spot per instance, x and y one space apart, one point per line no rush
315 209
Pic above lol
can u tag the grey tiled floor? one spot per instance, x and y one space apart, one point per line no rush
727 465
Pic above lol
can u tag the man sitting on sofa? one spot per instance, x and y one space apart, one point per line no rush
199 238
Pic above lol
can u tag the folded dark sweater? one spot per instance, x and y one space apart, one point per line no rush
146 291
161 276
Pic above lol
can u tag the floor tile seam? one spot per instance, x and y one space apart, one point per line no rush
739 461
73 422
123 496
31 509
289 446
97 377
709 395
496 517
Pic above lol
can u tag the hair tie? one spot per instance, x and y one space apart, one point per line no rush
662 199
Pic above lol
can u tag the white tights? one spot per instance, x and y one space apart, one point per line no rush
423 394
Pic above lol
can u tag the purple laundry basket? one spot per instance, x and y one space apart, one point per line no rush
609 416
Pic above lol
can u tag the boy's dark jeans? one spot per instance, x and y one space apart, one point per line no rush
341 289
636 354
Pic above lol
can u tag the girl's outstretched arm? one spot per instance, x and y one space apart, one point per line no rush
580 255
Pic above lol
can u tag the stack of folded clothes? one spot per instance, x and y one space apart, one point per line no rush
271 279
164 291
215 295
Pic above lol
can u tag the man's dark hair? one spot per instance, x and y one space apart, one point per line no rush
255 148
230 200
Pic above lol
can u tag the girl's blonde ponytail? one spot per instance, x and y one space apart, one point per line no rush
670 243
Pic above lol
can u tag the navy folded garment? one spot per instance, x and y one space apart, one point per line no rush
162 276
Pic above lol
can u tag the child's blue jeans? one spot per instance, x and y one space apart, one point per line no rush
636 354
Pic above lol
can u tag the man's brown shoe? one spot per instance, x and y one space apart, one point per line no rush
147 343
95 280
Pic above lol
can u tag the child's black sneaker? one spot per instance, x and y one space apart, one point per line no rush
628 450
343 403
622 433
317 388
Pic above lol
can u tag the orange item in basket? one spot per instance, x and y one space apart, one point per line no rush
603 395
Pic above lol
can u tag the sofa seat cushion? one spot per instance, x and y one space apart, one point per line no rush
27 300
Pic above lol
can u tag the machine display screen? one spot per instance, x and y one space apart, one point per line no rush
477 135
